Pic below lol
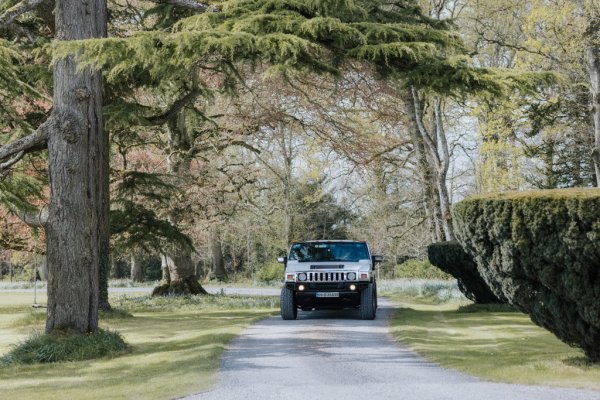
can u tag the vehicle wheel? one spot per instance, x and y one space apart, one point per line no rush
287 304
375 294
368 302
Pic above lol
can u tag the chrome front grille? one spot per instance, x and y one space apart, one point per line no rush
327 276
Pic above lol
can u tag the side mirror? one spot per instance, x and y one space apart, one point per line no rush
377 259
282 260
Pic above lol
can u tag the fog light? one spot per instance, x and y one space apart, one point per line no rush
352 287
301 287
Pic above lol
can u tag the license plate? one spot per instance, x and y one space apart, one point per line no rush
328 294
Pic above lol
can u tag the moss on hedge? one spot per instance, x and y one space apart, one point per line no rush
452 259
541 250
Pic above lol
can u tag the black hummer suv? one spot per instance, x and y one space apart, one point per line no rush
329 274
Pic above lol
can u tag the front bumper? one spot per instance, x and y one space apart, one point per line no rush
307 298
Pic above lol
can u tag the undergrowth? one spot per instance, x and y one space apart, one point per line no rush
65 346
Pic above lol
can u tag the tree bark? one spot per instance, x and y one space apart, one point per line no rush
136 269
164 268
44 268
439 164
77 222
177 259
429 178
443 164
181 278
593 65
217 255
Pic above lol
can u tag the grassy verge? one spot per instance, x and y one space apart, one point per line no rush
495 342
6 284
176 347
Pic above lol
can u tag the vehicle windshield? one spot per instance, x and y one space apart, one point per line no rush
329 251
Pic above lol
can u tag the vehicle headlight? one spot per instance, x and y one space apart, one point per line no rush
302 277
351 276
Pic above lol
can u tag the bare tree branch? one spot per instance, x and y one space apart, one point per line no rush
10 15
175 108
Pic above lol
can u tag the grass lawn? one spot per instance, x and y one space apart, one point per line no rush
492 342
176 347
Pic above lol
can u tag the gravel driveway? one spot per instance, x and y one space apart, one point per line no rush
334 355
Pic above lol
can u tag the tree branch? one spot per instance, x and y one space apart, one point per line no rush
36 219
27 144
175 108
12 152
10 15
431 146
189 4
12 161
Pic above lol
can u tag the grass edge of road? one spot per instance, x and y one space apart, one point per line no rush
492 342
176 343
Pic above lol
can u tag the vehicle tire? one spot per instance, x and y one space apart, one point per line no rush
287 304
368 302
375 294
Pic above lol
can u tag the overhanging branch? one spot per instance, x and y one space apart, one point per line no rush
175 108
12 152
189 4
10 15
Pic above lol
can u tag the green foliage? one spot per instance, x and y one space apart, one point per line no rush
419 269
298 36
65 346
270 272
539 249
15 83
18 191
318 214
134 221
452 259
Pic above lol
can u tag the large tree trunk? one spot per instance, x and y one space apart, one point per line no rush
43 269
217 255
182 277
164 269
77 222
429 178
443 164
136 269
593 64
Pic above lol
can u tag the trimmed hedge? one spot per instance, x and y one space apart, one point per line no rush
452 259
541 250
